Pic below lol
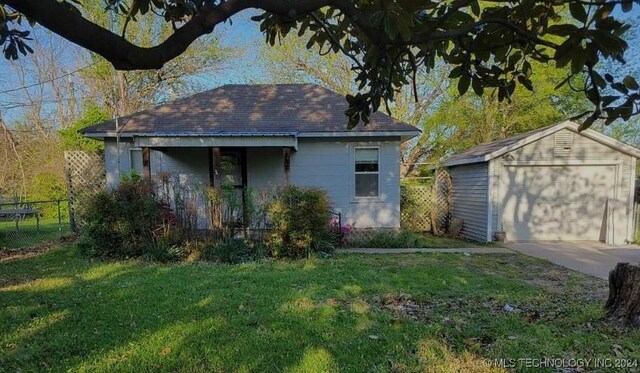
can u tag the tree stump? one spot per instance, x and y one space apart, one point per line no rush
624 294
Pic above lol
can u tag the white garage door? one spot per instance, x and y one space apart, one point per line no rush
556 202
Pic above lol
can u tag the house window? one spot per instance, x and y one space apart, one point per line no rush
367 170
136 161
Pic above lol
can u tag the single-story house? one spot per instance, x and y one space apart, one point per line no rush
553 183
261 137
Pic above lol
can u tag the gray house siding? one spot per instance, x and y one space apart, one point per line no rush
329 164
469 198
265 169
116 166
323 163
188 173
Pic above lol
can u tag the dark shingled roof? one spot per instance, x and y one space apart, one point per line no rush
249 109
490 147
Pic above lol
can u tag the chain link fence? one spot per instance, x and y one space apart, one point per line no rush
27 224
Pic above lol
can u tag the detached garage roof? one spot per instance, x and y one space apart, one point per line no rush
253 110
491 150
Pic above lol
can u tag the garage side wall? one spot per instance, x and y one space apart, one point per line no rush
583 150
469 200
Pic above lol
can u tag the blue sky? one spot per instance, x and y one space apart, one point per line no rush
244 36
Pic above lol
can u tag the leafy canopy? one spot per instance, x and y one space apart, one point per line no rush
71 137
488 44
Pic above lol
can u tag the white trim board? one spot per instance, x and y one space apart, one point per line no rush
630 208
352 173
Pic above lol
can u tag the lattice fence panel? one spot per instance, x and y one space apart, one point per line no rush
443 188
426 208
85 175
416 207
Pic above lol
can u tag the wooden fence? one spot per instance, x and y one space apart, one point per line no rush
426 208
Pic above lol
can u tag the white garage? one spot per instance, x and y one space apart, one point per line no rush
554 183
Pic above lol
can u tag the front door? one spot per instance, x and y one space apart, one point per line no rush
233 182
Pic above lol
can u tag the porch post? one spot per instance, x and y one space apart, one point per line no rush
286 152
214 182
146 163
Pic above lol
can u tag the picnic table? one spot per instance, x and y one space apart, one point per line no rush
20 214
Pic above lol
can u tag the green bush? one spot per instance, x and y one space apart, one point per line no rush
165 248
192 250
259 250
127 222
228 250
300 219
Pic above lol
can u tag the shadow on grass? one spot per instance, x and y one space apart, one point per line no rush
61 312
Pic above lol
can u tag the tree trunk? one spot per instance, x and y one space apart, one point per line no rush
624 294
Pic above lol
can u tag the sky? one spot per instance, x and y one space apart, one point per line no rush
244 36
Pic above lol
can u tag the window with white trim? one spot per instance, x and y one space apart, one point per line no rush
367 172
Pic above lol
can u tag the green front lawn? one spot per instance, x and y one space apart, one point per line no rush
351 313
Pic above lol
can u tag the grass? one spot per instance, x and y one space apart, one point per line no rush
404 239
28 233
351 313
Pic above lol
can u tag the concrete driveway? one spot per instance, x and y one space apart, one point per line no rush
592 258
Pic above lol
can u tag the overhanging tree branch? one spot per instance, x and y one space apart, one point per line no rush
486 46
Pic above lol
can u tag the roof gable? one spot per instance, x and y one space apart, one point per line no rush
489 151
282 109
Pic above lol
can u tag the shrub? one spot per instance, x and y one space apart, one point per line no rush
192 250
300 219
165 248
129 221
259 250
228 250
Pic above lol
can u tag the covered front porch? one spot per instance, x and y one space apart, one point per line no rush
187 170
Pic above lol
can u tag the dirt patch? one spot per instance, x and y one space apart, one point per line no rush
456 311
554 279
402 306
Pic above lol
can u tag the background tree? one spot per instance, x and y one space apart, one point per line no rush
71 137
450 123
460 123
291 62
488 44
56 90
